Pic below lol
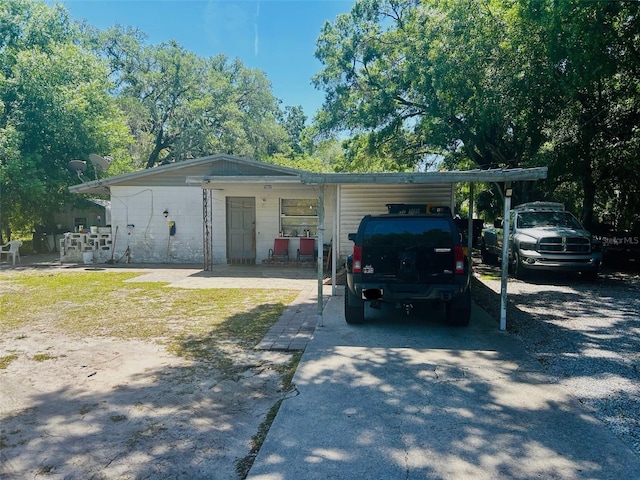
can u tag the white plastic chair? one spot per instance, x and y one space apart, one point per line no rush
12 248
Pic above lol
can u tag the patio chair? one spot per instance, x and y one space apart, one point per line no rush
280 250
12 248
307 250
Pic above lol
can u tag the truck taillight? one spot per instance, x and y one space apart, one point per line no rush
458 257
357 259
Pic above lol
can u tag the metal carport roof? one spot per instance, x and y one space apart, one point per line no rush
505 176
456 176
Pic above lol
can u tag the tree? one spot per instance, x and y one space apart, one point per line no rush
500 83
423 78
55 108
183 106
594 139
294 123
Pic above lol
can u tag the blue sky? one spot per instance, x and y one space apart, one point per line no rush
275 36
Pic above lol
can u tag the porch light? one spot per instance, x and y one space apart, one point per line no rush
508 190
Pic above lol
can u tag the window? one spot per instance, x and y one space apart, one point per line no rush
80 223
409 233
298 217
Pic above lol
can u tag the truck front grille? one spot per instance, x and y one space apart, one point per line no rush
565 245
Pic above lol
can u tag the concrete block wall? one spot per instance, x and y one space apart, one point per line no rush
142 232
75 247
138 223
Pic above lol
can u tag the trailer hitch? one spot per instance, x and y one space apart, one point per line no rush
407 307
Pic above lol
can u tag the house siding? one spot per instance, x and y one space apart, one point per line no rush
357 201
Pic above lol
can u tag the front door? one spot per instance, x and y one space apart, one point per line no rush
241 230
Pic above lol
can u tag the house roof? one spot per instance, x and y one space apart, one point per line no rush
216 169
224 167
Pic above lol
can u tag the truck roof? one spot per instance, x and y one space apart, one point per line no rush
539 207
413 209
414 215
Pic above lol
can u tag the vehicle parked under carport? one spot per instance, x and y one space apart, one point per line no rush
406 261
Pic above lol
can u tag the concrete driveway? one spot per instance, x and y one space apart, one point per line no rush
413 398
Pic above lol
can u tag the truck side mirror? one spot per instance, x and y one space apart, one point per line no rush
497 223
352 236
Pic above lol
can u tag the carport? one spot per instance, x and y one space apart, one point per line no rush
503 177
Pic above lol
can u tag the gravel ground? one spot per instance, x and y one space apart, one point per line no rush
585 334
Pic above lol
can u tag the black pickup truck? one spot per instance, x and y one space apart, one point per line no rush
406 260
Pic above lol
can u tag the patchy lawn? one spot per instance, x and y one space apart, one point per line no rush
106 378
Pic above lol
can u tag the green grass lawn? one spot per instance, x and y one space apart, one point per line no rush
211 326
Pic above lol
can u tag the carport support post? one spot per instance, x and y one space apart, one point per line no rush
470 227
505 256
320 320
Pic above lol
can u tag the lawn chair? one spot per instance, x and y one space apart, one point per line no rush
307 250
280 250
12 248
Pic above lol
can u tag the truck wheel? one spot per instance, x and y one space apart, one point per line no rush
516 267
353 308
458 311
487 258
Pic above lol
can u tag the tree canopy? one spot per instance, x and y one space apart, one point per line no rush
493 82
182 106
54 107
409 85
68 90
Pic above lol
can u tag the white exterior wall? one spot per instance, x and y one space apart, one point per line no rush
267 202
149 240
356 201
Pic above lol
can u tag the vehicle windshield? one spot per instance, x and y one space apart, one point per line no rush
408 232
546 219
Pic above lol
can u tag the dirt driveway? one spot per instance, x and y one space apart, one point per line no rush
585 334
101 408
105 408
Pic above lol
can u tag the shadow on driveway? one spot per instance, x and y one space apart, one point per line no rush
414 398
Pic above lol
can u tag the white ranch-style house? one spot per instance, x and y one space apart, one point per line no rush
228 210
223 209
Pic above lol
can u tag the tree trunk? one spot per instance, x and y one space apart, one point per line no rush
587 135
589 187
157 148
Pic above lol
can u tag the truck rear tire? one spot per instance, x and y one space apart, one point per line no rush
353 308
458 311
487 258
